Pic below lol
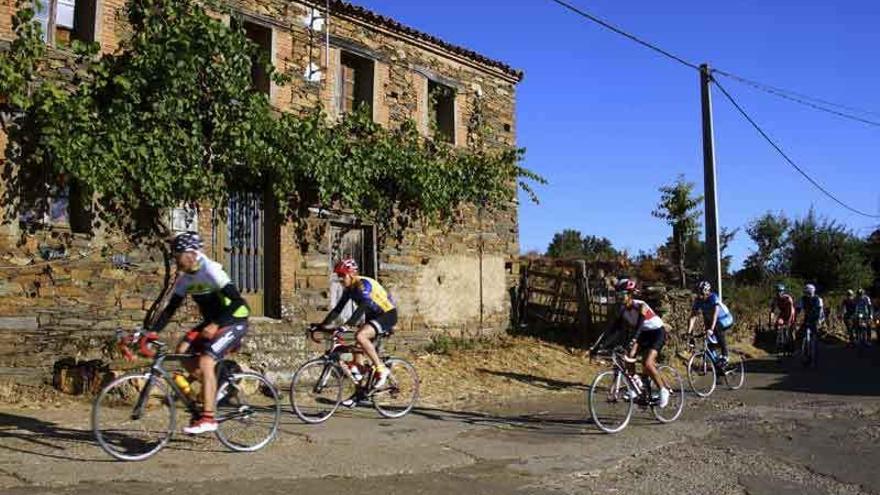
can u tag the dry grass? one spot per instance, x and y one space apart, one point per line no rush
502 368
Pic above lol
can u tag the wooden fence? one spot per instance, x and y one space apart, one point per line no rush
570 295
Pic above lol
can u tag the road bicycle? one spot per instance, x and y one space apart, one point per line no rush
614 393
134 416
316 389
705 366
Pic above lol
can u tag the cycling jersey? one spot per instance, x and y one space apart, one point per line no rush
707 307
849 307
212 290
864 308
784 303
371 298
640 316
813 309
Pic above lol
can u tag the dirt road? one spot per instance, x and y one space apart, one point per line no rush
789 431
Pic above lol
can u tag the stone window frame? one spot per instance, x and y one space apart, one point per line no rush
340 45
433 78
46 13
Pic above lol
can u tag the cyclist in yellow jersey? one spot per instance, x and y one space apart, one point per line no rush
373 302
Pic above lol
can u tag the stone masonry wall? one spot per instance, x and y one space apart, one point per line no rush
453 279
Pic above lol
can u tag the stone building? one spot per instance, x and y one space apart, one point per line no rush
64 287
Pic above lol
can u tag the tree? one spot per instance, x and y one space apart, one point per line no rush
681 210
768 232
566 244
573 244
874 254
171 118
821 251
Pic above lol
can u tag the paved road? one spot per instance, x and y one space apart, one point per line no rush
789 431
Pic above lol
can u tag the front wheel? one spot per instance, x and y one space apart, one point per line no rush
610 400
675 406
133 417
399 395
316 391
701 374
248 412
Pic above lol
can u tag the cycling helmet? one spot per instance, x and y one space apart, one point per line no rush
345 267
704 287
625 285
810 290
780 288
852 293
861 292
186 241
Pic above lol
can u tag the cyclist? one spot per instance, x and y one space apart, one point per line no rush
864 314
782 312
650 335
812 307
225 320
717 319
374 303
848 310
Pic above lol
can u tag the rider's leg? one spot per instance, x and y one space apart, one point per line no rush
207 366
650 365
364 337
722 340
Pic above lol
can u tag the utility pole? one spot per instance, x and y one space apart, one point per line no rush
713 245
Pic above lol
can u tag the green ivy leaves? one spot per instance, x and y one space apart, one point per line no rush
171 118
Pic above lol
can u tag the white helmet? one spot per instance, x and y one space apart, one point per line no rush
810 290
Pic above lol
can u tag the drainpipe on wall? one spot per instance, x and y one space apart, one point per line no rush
327 41
481 248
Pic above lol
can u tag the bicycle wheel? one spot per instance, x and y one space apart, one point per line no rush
610 400
675 405
400 393
316 391
701 374
248 412
133 417
735 373
807 348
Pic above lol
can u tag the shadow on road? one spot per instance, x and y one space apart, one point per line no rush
42 438
536 381
841 370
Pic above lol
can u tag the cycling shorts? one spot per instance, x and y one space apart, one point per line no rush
385 322
226 340
652 339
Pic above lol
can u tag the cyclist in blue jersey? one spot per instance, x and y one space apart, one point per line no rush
717 318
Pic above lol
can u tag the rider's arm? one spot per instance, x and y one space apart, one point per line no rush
714 318
229 291
357 314
334 313
164 317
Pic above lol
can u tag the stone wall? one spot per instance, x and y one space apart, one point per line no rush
454 279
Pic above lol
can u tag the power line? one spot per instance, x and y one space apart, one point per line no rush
815 103
623 33
785 156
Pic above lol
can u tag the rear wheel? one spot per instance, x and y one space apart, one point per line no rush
399 394
316 391
610 400
675 405
701 374
735 373
248 412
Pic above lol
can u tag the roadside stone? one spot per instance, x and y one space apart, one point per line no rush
19 323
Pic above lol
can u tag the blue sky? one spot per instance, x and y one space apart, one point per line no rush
607 122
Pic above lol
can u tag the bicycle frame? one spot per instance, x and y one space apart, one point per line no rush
158 371
333 357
